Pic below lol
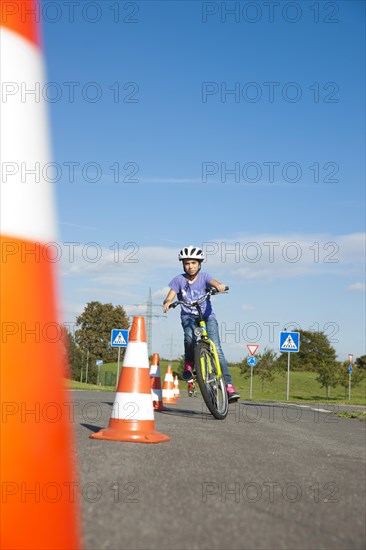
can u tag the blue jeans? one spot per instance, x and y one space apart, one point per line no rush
189 323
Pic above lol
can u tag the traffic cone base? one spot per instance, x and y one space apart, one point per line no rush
135 431
159 406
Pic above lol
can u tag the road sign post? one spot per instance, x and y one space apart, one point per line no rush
252 361
99 363
290 342
118 361
87 367
251 383
350 369
119 339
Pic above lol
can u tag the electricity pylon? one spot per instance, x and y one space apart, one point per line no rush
172 343
149 316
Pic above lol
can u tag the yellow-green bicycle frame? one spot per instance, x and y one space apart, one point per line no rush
206 339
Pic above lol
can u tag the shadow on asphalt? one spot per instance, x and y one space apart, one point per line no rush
188 413
177 412
91 428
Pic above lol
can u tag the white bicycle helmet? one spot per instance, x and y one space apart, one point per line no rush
191 253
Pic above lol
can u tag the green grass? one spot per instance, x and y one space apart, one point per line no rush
303 386
74 385
360 415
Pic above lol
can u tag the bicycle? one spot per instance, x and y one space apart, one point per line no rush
207 366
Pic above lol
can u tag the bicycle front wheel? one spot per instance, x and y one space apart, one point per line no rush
212 386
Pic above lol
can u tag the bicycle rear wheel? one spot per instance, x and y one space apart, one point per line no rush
212 387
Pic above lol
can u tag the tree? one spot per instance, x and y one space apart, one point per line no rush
75 356
361 362
266 365
244 368
181 365
327 375
357 375
94 334
315 348
79 360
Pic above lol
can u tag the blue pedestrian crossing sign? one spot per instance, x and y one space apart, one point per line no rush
350 369
290 341
119 338
252 361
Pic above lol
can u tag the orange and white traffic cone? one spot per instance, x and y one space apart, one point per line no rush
176 388
39 508
168 387
132 417
156 391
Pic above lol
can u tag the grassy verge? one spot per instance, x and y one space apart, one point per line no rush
303 387
74 385
360 415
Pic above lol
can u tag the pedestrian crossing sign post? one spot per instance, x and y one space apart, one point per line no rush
119 339
290 342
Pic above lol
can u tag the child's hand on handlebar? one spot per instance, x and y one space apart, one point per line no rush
221 287
166 306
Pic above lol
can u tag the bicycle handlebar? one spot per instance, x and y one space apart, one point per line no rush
210 292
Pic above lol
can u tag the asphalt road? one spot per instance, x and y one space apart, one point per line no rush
271 476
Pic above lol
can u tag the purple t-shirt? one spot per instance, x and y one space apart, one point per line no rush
191 292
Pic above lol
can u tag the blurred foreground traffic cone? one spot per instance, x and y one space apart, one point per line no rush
176 388
156 391
132 417
39 491
168 387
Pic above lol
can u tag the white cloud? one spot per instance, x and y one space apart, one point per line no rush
357 286
247 307
277 256
127 274
160 294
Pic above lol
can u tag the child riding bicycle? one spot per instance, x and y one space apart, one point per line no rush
189 286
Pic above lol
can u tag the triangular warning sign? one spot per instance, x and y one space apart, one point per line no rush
119 339
289 343
252 348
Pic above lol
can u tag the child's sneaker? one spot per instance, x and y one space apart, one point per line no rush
232 394
190 389
187 373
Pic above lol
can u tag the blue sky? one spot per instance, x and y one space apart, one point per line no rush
149 98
